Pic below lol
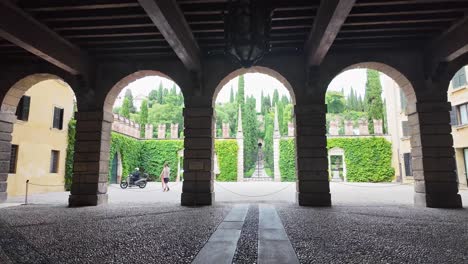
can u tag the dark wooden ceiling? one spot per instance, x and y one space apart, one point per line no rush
118 28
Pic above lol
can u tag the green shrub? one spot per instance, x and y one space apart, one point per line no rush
287 161
226 150
70 154
154 153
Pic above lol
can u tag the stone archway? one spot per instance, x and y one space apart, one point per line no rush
255 69
57 143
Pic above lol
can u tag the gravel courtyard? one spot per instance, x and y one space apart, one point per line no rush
369 223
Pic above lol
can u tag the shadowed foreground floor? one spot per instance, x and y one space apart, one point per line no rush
173 234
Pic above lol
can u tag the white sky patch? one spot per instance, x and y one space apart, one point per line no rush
255 83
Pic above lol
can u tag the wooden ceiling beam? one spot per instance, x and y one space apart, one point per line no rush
24 31
169 19
450 44
331 15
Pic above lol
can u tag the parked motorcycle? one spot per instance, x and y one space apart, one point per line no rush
130 182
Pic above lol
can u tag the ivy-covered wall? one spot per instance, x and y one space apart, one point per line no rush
367 159
226 150
154 153
287 161
129 149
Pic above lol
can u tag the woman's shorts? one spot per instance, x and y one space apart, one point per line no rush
166 180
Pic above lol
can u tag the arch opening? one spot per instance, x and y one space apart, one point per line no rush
260 128
40 134
367 119
146 132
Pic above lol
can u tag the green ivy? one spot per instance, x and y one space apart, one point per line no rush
287 162
129 149
226 151
367 159
154 153
70 154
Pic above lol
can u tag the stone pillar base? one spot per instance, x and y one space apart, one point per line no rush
76 200
195 199
437 200
314 199
3 197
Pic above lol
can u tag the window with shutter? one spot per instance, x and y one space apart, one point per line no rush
22 111
459 79
463 113
13 159
54 160
453 116
58 118
407 160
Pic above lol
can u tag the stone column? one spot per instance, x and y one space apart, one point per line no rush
333 131
378 127
311 151
290 129
240 148
161 131
7 121
348 128
276 148
225 130
198 153
149 131
174 131
363 128
91 160
433 155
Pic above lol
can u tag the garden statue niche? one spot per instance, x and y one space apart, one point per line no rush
336 164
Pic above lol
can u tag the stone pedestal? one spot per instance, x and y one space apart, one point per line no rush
91 160
174 131
290 129
7 121
161 131
433 160
311 150
197 187
348 128
149 131
225 130
378 127
363 127
334 127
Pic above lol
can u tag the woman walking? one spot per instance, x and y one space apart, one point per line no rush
165 176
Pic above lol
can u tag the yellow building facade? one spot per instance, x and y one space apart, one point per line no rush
458 97
398 130
39 138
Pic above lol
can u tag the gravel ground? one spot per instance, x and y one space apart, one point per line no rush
248 242
374 234
106 234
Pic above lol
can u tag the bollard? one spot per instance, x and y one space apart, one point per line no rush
26 195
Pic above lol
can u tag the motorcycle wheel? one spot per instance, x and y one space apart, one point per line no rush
142 185
124 185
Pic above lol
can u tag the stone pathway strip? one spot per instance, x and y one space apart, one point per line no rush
273 242
222 244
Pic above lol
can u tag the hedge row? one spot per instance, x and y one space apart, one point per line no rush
226 150
129 149
367 159
153 154
287 161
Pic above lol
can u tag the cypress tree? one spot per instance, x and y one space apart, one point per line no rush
160 93
373 98
125 109
275 98
231 96
143 117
